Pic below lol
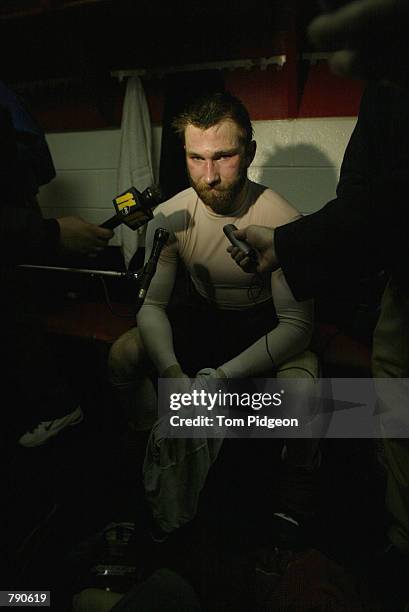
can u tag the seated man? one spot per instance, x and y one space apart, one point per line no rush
236 324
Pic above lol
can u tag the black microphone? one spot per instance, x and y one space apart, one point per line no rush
159 240
241 244
134 208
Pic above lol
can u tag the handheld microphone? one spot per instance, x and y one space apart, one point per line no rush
160 239
134 208
241 244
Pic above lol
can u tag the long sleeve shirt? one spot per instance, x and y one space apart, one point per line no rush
197 239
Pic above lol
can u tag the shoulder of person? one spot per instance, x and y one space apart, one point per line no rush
180 201
174 214
278 207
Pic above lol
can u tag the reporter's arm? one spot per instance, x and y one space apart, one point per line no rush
357 33
329 250
79 236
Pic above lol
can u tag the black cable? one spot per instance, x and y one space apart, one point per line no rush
260 285
268 351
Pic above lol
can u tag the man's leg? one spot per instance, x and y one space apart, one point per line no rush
298 490
302 452
128 370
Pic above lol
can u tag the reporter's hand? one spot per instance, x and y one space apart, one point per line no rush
358 33
261 239
83 238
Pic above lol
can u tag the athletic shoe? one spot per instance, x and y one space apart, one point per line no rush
48 429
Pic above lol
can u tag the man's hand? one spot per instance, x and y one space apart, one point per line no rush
211 372
370 39
262 240
182 382
83 238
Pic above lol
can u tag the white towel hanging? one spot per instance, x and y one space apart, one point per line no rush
135 158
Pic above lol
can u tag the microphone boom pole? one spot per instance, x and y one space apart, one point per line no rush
88 271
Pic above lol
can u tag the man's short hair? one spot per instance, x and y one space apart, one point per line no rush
212 108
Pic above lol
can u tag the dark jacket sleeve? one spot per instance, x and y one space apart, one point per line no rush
33 152
24 234
339 243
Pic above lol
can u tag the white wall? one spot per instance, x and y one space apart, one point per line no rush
298 158
301 158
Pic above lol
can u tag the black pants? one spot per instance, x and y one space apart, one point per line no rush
207 336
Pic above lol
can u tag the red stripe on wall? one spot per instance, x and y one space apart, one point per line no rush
268 94
327 95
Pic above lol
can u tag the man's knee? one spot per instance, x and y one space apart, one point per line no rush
125 356
129 371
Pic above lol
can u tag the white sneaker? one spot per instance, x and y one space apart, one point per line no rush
48 429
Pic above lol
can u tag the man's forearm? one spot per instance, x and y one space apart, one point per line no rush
292 335
157 337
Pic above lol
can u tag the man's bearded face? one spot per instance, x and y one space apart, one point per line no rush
217 163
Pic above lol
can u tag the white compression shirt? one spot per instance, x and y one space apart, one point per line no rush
197 238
